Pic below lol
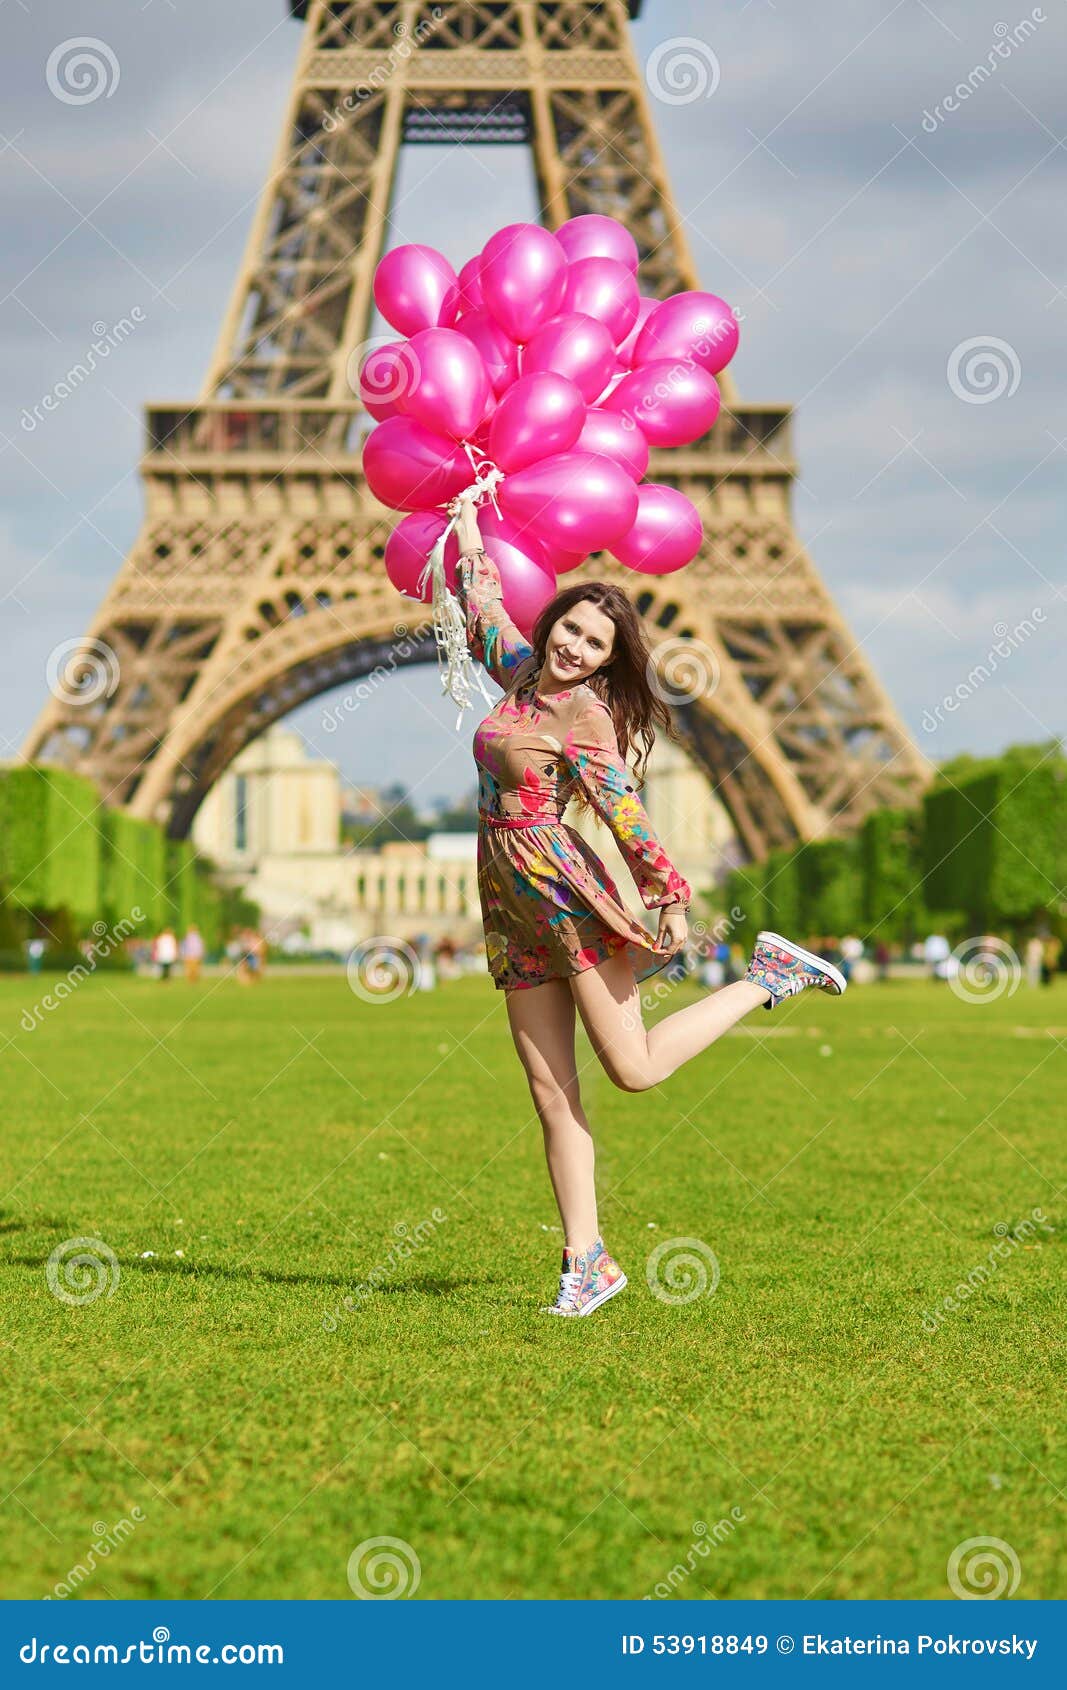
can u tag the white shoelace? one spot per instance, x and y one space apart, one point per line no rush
568 1290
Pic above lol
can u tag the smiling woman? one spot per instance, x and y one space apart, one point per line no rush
558 938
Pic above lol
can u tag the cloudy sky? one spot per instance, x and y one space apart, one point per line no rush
900 265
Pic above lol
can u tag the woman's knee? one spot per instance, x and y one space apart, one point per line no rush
553 1097
626 1074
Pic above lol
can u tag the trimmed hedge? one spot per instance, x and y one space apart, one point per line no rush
891 869
49 840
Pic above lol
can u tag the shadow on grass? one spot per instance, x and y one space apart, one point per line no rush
201 1270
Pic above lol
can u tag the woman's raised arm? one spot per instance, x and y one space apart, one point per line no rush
492 636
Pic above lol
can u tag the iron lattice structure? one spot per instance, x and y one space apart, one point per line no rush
257 579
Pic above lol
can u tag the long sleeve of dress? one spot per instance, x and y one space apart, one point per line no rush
592 752
492 636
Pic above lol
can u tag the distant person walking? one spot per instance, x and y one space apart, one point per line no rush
192 953
165 952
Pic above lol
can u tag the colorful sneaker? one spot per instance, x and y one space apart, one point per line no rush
786 969
586 1280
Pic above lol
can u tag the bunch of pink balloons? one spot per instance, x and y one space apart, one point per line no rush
542 360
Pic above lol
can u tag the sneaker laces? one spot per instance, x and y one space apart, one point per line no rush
569 1284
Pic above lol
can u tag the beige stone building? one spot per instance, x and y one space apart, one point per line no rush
272 823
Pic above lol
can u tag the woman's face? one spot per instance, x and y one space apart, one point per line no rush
579 642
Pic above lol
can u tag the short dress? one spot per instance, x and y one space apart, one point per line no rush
549 906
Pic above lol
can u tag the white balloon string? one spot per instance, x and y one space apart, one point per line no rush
458 673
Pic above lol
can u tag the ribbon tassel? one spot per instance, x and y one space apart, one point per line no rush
459 677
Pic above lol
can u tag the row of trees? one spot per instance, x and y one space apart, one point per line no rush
985 852
69 863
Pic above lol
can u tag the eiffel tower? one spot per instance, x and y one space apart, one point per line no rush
257 579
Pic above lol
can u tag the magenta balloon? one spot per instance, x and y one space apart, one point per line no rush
645 308
673 404
451 385
413 468
666 532
407 549
539 415
574 346
573 501
523 274
612 383
499 353
594 236
699 326
605 289
470 286
415 287
387 373
605 434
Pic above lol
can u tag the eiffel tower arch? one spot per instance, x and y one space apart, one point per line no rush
257 579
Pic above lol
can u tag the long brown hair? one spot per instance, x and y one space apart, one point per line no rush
623 681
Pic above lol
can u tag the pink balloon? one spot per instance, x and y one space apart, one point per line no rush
645 308
411 467
612 383
480 437
605 434
470 287
408 547
540 414
673 404
451 384
697 326
594 236
415 287
499 353
605 289
666 532
574 346
523 274
572 501
527 580
387 373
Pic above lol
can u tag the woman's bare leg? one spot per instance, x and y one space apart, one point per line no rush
634 1058
542 1022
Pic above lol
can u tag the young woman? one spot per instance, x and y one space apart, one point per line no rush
558 939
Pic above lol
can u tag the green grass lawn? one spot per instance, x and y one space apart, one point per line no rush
847 1163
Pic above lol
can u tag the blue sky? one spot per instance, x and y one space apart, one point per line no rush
869 233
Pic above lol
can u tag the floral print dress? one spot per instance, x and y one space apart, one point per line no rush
549 906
